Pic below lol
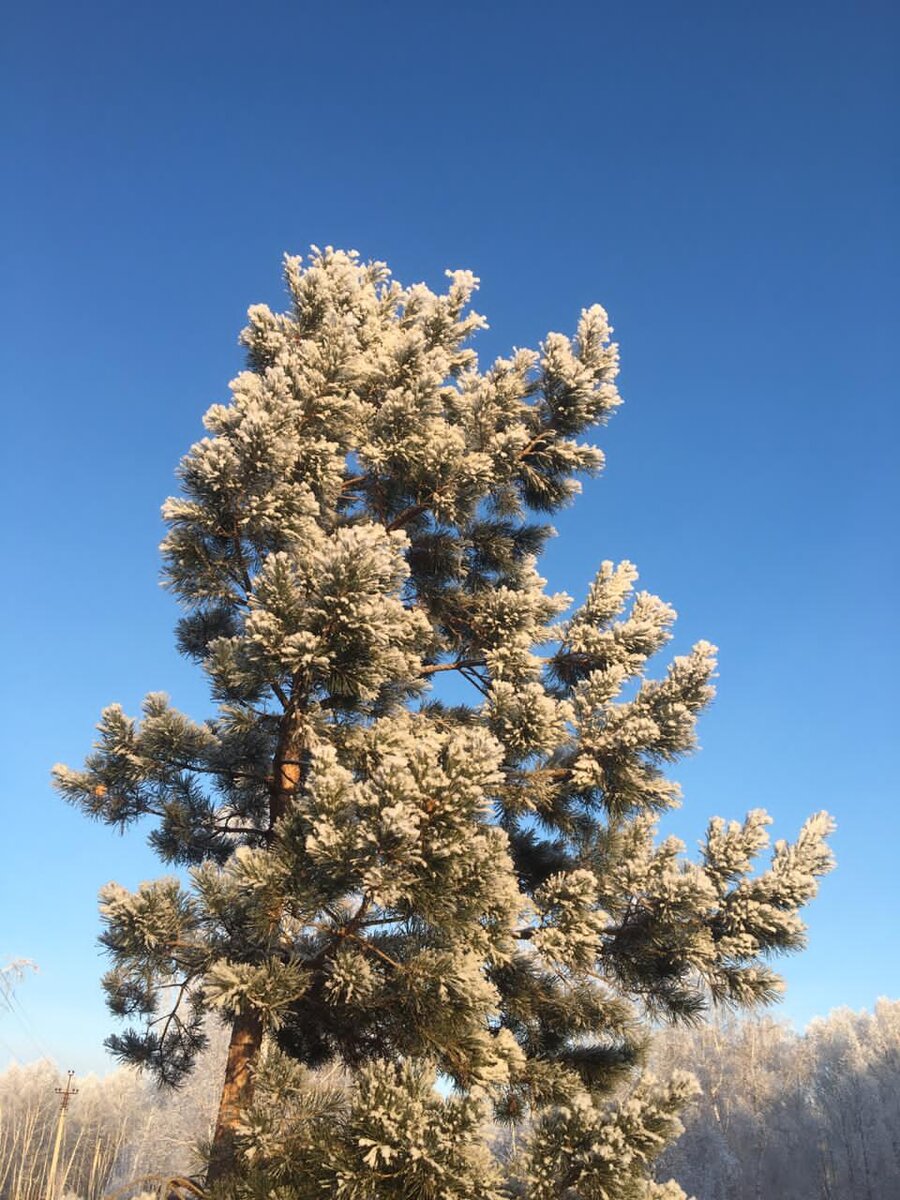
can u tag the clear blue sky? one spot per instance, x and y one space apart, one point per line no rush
722 177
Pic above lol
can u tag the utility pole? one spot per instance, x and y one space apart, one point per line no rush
65 1094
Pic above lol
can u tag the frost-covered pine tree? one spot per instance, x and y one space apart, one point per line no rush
407 888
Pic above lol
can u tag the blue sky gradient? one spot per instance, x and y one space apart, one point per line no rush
723 178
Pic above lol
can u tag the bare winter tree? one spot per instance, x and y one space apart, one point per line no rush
100 1125
813 1116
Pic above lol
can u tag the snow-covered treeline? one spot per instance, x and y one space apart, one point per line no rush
813 1116
119 1128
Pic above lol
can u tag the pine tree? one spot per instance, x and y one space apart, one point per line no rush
406 880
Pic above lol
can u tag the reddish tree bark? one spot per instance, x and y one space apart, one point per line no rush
237 1091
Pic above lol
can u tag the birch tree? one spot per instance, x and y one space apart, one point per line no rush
813 1116
102 1121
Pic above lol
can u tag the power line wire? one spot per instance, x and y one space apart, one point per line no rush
12 1004
18 1011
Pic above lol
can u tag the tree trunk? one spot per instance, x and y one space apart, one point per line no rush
247 1030
237 1092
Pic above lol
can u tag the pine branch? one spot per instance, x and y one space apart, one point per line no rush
408 514
458 665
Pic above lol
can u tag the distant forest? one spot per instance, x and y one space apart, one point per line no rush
785 1116
813 1116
